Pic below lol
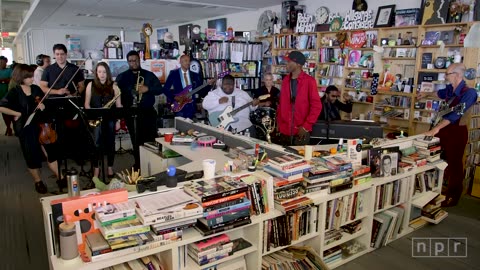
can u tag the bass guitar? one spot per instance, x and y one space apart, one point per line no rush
223 119
185 96
458 109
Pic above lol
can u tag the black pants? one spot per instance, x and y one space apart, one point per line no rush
105 143
286 140
146 130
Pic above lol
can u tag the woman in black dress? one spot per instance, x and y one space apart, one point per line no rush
20 102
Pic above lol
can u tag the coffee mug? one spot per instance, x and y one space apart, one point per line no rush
168 137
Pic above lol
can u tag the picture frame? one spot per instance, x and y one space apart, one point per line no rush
385 15
183 32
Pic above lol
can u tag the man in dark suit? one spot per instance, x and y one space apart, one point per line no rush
181 79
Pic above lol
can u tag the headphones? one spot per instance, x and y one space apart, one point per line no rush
39 60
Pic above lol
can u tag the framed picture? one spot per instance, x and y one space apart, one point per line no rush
385 15
182 32
160 33
219 24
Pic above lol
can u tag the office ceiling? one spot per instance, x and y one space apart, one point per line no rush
130 14
11 16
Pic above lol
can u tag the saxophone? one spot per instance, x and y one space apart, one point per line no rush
108 105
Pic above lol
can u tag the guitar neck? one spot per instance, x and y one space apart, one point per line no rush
194 91
241 108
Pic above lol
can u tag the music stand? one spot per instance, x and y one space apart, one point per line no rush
59 109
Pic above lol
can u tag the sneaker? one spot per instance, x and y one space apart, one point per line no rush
40 187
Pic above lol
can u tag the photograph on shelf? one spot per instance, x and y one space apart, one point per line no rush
220 25
160 34
182 32
431 38
385 16
406 17
447 37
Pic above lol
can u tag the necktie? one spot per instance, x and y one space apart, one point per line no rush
185 77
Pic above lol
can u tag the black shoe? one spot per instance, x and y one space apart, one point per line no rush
40 187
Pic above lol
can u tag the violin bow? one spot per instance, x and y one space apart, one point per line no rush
30 118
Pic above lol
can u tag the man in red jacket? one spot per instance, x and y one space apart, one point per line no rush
299 104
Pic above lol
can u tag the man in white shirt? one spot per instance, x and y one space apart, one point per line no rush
43 61
218 99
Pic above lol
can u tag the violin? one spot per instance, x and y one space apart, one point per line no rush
47 134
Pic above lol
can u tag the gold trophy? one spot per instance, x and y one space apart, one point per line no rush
147 31
268 125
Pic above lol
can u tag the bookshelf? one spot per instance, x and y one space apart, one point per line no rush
243 60
174 254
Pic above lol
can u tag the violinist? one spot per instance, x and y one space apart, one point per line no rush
20 102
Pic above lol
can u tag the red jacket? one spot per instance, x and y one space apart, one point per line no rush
307 105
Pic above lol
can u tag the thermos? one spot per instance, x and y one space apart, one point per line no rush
73 183
68 241
171 177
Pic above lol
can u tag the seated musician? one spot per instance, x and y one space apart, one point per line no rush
21 102
183 79
270 89
332 106
98 93
218 99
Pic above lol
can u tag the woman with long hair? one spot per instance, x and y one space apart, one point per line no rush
20 102
98 93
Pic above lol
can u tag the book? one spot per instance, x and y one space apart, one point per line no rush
111 212
118 230
216 188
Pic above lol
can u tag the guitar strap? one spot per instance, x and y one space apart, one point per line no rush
454 100
233 102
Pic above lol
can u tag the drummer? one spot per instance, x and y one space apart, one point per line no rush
268 88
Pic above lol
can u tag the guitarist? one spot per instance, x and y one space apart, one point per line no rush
452 131
218 99
180 79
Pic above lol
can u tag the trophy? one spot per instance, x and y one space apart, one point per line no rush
147 31
268 125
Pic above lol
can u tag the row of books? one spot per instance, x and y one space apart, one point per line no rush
300 42
386 226
225 50
248 83
334 235
282 230
425 181
390 194
293 258
343 210
213 69
427 209
152 262
331 71
343 251
330 55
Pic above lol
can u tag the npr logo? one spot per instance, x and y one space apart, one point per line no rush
440 247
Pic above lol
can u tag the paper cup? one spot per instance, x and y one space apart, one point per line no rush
168 137
308 152
209 168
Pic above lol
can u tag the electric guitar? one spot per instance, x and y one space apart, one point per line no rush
223 119
458 109
186 94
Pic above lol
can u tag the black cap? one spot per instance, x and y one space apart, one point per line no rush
297 57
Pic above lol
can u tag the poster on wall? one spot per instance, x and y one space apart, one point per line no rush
160 33
435 11
158 67
219 24
182 32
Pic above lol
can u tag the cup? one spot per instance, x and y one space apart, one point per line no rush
361 116
168 136
308 152
209 168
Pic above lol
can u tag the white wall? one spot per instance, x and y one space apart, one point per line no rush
247 21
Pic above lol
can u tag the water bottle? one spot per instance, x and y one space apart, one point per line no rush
247 132
73 183
171 177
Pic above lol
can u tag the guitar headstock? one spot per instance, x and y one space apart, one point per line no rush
263 97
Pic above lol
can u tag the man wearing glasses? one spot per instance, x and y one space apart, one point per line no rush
451 130
332 105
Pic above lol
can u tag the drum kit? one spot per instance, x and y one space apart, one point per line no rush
264 119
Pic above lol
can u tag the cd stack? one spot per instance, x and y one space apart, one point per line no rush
225 204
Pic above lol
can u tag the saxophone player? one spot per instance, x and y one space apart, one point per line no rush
99 94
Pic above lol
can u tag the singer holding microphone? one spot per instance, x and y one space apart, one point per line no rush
139 88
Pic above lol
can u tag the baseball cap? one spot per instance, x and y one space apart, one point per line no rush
3 58
297 57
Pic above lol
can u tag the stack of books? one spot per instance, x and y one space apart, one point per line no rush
260 192
386 226
289 194
225 204
293 257
432 212
287 166
430 149
210 250
332 255
168 214
343 168
317 180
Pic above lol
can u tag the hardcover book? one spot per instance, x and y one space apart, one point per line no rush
216 188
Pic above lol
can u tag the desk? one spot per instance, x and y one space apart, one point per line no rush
152 162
